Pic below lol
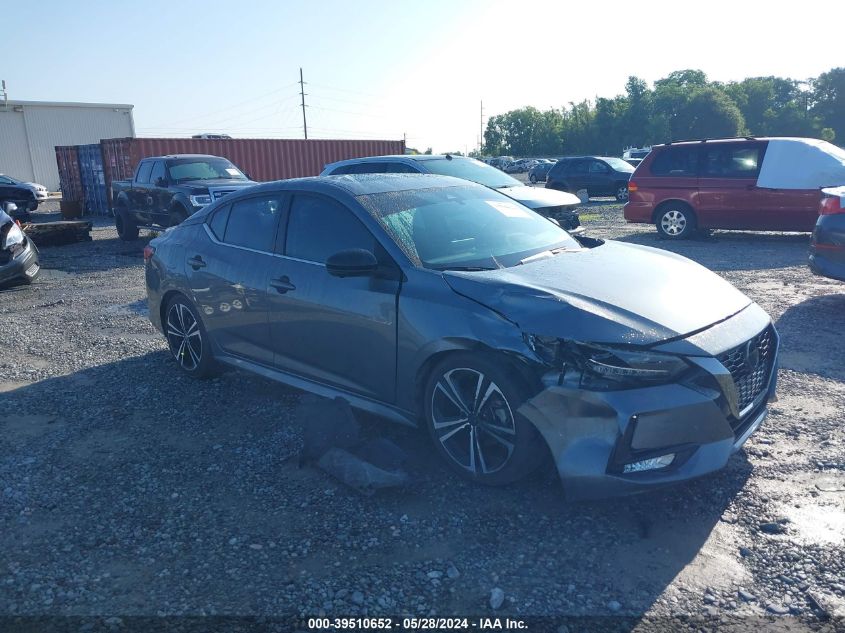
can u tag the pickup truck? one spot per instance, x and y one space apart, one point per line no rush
167 189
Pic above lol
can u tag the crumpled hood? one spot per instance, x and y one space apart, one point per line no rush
615 293
538 197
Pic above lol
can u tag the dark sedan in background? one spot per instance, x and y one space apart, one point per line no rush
827 248
599 175
21 196
435 301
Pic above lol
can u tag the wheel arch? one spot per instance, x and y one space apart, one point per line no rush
166 298
673 201
519 365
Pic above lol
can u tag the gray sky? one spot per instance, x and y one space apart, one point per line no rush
378 69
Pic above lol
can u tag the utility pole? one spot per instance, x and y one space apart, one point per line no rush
481 130
302 93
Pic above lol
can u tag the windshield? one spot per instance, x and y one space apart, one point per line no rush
619 165
471 169
464 228
203 169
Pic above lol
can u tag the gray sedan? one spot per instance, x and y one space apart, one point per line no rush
437 302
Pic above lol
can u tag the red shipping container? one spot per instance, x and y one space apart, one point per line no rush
70 181
262 159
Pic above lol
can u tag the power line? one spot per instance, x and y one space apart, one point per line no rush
365 94
194 117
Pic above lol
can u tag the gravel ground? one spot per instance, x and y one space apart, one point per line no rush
127 489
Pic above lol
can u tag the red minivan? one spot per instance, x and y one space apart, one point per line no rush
713 184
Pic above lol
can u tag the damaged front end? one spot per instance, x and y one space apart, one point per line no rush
622 419
18 255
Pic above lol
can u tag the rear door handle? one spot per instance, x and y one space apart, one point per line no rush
282 284
196 262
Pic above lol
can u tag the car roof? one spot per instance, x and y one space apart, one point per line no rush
365 184
394 158
178 156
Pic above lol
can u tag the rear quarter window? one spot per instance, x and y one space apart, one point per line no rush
676 161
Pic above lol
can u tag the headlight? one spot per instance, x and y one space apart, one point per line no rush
602 368
14 238
200 201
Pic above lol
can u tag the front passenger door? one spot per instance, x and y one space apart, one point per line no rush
337 331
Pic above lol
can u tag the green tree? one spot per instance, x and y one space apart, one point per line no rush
829 101
708 113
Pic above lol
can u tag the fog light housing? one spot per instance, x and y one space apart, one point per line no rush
652 463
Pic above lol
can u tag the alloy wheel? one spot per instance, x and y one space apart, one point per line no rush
184 336
473 421
673 222
622 194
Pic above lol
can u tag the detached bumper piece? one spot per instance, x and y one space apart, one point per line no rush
609 443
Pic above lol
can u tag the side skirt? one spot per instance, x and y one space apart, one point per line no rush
394 414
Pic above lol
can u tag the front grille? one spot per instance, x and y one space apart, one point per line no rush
750 365
217 193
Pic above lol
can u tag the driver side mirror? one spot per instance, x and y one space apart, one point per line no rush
161 181
354 262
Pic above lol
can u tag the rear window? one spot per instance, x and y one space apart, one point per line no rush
470 169
676 161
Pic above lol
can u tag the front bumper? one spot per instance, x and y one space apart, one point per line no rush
593 435
23 267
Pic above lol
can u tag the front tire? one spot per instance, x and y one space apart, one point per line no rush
471 414
187 338
675 222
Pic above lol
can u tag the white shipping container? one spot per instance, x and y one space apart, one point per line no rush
30 131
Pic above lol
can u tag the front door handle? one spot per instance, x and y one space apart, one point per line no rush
196 262
282 284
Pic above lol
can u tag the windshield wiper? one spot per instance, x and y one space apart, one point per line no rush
468 268
544 254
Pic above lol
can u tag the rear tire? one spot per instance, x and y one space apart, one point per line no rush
622 193
675 221
127 230
187 338
533 179
494 445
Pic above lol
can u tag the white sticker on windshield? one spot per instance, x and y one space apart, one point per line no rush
233 172
510 209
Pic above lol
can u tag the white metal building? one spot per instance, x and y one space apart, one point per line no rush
30 131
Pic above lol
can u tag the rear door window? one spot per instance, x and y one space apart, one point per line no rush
319 227
253 222
735 160
676 161
144 169
579 167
